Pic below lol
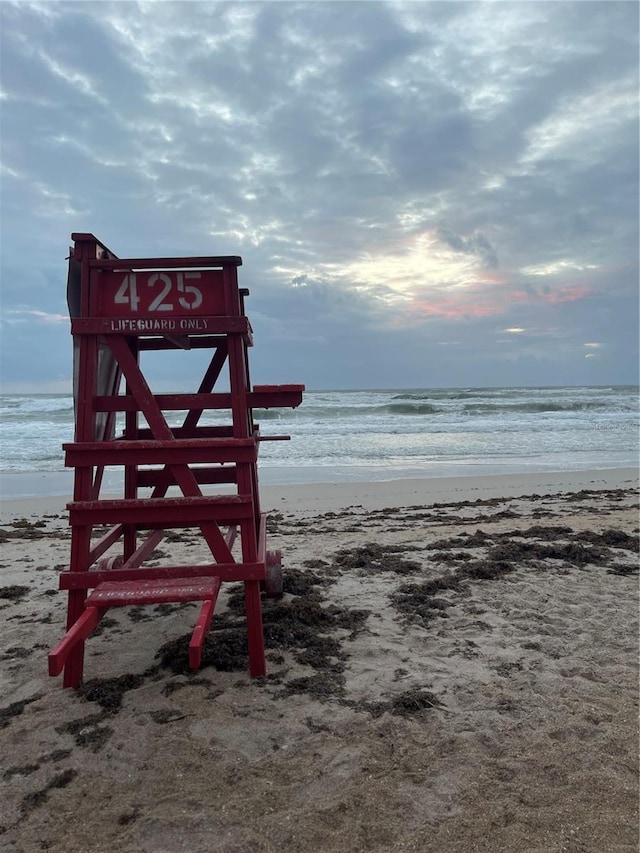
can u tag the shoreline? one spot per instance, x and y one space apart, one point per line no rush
310 498
324 497
37 484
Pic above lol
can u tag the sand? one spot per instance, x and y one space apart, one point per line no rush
453 667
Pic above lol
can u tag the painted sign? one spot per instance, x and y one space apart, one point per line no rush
161 294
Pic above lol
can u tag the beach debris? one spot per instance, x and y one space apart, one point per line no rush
90 731
108 692
15 709
373 558
14 593
38 798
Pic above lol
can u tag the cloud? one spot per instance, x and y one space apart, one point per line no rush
477 244
24 315
411 169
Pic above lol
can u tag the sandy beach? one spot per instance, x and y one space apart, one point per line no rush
453 667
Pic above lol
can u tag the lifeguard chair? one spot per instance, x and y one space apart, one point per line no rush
119 309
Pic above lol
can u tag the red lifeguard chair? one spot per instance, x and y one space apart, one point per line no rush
119 309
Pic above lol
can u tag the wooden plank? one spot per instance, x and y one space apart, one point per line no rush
122 445
197 342
279 389
179 341
262 397
105 542
198 432
160 478
175 452
255 637
167 402
149 325
126 264
230 536
287 399
262 538
80 581
124 593
144 550
155 513
86 237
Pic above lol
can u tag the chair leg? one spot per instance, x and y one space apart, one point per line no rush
72 641
257 661
200 631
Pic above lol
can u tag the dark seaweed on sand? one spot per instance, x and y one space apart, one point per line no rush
15 709
533 552
611 537
373 558
422 601
13 593
301 624
27 769
321 685
308 582
540 531
108 692
624 571
479 539
38 798
21 528
412 703
224 648
89 732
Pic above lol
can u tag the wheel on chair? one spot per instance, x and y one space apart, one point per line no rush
105 564
273 584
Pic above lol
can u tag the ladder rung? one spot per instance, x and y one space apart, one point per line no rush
162 512
225 571
179 451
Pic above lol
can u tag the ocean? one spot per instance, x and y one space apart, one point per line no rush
370 435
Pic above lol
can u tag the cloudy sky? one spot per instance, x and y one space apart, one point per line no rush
423 194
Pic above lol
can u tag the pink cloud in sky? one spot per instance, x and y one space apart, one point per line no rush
568 294
479 300
572 293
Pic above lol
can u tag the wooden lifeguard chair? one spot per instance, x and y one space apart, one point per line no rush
119 309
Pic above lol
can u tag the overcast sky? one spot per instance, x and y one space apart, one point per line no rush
423 194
